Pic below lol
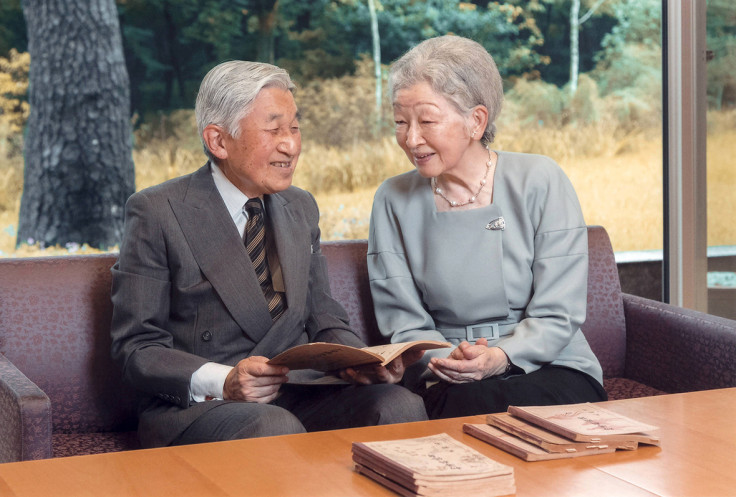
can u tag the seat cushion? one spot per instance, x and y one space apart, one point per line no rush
79 444
624 388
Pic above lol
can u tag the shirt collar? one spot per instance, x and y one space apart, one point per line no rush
234 199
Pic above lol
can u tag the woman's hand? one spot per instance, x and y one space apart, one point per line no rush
470 363
390 373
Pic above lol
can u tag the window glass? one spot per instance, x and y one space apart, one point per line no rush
721 157
591 101
597 113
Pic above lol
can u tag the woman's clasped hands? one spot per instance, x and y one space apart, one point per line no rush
470 362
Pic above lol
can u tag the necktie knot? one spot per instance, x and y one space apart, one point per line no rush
253 206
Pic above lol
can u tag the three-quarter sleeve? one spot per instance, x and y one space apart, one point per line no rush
559 269
398 303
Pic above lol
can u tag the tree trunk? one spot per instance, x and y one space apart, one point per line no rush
78 165
574 48
172 49
576 21
376 63
267 12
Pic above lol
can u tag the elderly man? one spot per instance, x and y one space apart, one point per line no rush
221 269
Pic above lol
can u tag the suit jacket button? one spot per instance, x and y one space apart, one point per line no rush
206 336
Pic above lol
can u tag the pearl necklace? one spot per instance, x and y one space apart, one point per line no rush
439 191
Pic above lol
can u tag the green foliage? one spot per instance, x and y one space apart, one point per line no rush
721 40
506 31
629 69
638 22
552 17
170 45
12 27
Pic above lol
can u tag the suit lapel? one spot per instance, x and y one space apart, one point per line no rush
220 253
291 237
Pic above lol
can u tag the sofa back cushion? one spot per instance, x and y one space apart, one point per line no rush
55 315
55 327
347 267
604 327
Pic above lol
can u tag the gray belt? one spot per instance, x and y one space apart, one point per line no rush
471 333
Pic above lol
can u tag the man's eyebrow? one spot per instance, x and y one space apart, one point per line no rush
275 117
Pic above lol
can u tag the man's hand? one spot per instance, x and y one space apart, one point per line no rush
470 363
253 380
372 373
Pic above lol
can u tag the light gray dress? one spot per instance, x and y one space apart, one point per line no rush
434 275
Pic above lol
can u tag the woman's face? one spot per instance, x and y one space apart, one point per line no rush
432 133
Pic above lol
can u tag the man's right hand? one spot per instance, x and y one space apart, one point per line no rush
253 380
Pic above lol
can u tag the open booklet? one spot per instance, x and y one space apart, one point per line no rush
539 433
324 356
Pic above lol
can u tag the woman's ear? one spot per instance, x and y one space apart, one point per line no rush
479 121
214 137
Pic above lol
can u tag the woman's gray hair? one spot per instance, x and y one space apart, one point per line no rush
456 67
228 90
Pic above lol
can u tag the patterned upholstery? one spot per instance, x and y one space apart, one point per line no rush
54 328
624 388
26 415
80 444
676 349
348 274
605 326
60 394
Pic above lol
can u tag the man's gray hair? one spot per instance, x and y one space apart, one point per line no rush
459 69
228 90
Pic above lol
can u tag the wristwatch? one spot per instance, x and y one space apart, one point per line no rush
508 368
508 364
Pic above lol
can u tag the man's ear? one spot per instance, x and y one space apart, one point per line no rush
214 137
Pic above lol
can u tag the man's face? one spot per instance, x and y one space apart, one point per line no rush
263 158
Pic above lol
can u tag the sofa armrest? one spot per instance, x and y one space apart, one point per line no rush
25 416
676 349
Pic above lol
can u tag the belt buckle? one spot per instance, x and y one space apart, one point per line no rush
470 330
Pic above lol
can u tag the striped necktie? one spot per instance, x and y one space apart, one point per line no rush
255 244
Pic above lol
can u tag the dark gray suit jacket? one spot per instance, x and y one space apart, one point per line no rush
185 293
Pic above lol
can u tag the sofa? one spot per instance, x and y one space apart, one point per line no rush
61 395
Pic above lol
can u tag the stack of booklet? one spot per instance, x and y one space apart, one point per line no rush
437 465
538 433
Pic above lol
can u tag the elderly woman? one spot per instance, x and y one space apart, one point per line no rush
481 248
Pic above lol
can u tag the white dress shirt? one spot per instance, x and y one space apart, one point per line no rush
208 381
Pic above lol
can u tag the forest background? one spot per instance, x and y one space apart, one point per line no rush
598 114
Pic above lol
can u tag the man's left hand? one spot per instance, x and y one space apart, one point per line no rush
373 373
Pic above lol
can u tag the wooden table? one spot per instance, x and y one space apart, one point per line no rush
697 458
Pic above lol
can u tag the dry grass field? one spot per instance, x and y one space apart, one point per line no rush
618 180
621 189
